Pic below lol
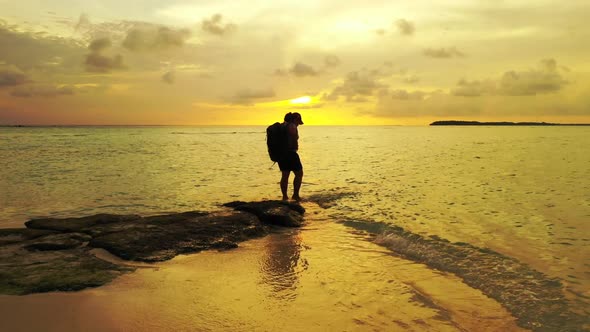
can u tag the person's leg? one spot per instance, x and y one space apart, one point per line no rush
297 184
285 184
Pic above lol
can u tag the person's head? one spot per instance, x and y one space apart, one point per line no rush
288 117
296 118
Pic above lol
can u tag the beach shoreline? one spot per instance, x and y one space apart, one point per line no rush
429 263
291 279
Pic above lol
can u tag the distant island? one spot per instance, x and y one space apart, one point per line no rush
502 123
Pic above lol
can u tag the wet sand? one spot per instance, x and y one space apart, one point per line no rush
324 276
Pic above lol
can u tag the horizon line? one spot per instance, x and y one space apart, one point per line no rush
198 125
264 125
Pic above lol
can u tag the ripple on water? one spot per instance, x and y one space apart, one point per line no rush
536 300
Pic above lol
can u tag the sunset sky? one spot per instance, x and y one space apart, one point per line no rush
227 62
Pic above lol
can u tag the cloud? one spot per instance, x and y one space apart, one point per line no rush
572 102
216 27
169 77
246 96
281 72
12 76
466 88
83 22
47 91
96 62
100 44
28 50
546 78
426 104
116 30
411 79
507 95
255 94
300 69
155 38
332 61
550 65
307 107
358 99
443 53
357 86
405 95
405 27
167 37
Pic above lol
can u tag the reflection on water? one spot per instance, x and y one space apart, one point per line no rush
281 265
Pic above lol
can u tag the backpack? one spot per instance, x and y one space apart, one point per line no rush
276 141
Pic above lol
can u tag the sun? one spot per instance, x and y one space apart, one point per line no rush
301 100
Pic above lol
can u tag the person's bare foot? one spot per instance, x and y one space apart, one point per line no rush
285 198
296 198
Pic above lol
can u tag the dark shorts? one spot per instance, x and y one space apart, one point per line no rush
290 162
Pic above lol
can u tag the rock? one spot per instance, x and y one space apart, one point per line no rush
58 241
277 213
161 219
25 272
153 239
282 216
15 235
77 224
55 254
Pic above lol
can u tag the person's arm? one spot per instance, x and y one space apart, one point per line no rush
293 137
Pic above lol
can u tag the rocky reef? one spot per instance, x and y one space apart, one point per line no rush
56 254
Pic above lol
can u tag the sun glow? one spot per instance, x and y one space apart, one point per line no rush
301 100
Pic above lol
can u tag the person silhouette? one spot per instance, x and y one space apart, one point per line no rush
290 161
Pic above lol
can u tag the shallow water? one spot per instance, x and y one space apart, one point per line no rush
324 277
522 191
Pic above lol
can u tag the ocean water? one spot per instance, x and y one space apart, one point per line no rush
520 191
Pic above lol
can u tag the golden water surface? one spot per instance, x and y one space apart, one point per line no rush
323 277
521 191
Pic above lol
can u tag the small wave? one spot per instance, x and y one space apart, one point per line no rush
183 133
328 199
536 300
